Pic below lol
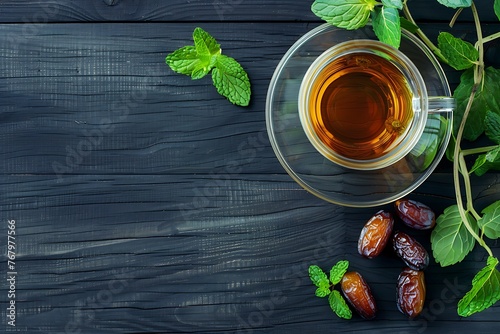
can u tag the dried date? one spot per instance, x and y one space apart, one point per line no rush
415 214
375 234
358 294
411 292
410 251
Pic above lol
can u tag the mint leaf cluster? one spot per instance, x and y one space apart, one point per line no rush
205 56
325 287
354 14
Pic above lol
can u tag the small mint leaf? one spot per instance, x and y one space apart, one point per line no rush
492 126
338 271
231 80
408 25
493 155
185 61
456 3
486 167
496 8
393 3
322 291
460 54
339 305
318 276
485 290
480 161
348 14
205 44
386 25
490 222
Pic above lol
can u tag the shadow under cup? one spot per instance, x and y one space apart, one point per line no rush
357 182
363 104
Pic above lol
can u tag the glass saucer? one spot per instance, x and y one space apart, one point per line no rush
322 177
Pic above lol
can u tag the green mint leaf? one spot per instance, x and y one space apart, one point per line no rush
485 290
338 271
208 51
481 170
339 305
318 276
348 14
456 3
496 8
393 3
487 161
493 155
198 60
487 98
408 25
492 126
231 80
490 222
322 291
450 240
460 54
478 164
386 25
185 60
205 44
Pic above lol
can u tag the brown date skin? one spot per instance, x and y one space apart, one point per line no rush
411 292
415 214
358 294
375 234
410 251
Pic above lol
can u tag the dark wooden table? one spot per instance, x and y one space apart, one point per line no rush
144 202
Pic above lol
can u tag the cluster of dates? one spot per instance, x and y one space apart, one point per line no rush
374 237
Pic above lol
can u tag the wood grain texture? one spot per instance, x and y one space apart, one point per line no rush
146 203
35 11
107 103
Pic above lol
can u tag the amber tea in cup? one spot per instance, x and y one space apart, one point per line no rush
360 100
364 105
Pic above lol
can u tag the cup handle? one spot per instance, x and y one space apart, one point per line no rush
441 104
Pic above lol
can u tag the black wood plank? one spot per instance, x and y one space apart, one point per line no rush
151 254
39 12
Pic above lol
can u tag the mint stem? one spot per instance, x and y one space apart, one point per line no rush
423 36
455 17
478 150
459 166
491 37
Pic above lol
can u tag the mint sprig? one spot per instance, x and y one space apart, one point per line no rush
348 14
205 56
485 290
326 287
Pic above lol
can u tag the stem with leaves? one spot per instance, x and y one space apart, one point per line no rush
460 226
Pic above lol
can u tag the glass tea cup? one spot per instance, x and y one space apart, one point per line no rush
366 186
364 105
